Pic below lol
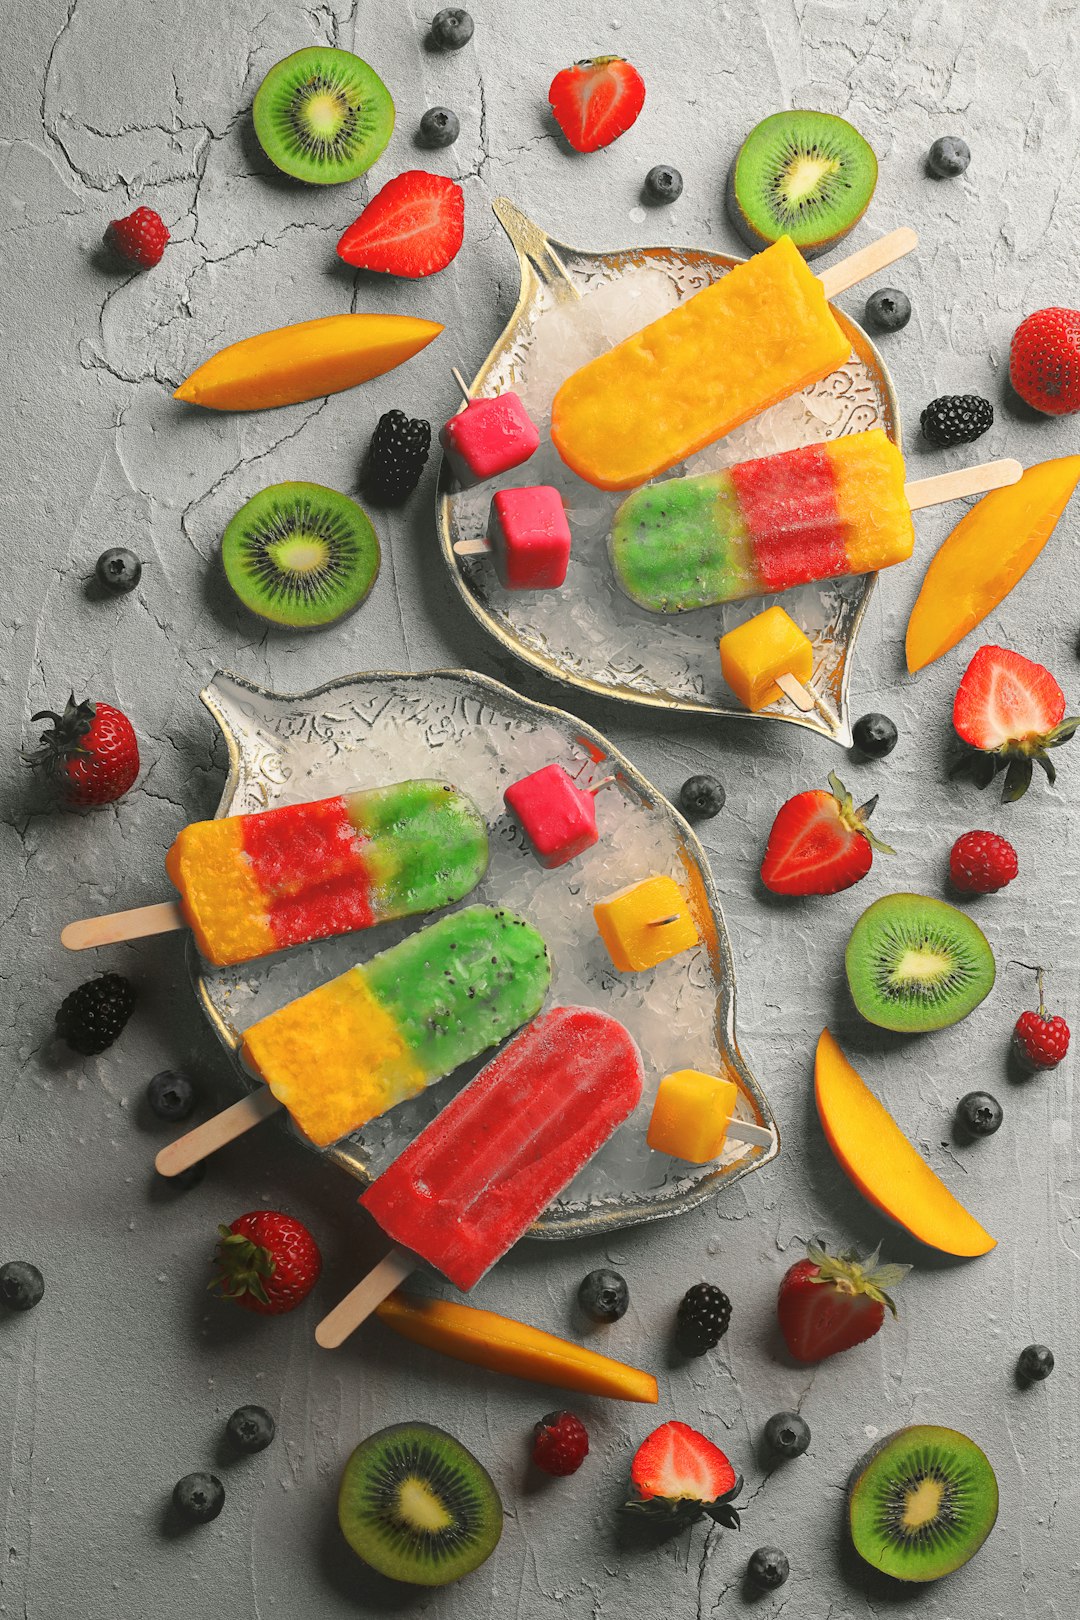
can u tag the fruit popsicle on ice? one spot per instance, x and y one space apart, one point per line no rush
257 883
694 1115
378 1034
471 1183
814 513
760 333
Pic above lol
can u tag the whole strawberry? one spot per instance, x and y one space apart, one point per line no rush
820 843
982 863
1040 1039
89 751
832 1302
269 1262
560 1443
1044 361
1010 711
139 238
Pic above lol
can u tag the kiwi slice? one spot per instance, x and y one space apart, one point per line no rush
922 1503
323 115
417 1506
915 964
301 555
807 175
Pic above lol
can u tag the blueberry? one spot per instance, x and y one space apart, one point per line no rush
199 1497
251 1428
768 1568
979 1113
439 127
888 309
118 570
702 796
663 184
451 28
948 157
603 1296
787 1434
874 735
21 1285
171 1095
1036 1362
184 1180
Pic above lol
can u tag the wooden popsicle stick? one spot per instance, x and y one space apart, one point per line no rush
964 481
116 926
662 922
358 1305
214 1133
803 699
868 261
472 548
459 379
594 787
741 1130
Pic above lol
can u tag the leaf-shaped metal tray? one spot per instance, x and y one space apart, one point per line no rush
462 727
573 305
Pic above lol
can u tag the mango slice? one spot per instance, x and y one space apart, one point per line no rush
305 361
989 551
501 1345
883 1164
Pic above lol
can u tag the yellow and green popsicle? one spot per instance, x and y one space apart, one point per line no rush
814 513
380 1033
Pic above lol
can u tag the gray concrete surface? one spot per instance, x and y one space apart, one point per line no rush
121 1380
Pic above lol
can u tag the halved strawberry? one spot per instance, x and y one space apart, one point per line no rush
1011 711
596 101
412 227
832 1302
678 1474
820 843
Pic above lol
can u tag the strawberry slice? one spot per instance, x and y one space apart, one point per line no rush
820 843
832 1302
678 1474
1012 712
596 101
413 227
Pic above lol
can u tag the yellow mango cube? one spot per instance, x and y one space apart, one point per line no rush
691 1115
646 924
755 653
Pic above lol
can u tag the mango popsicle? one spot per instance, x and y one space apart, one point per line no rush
380 1033
755 657
257 883
814 513
760 333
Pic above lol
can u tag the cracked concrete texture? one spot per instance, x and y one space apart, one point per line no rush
121 1380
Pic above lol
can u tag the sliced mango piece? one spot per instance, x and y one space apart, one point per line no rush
883 1164
502 1345
989 551
305 361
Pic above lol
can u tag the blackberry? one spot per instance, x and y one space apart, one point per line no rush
396 457
956 419
702 1319
91 1017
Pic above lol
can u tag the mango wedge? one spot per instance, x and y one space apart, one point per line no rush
883 1164
305 361
989 551
502 1345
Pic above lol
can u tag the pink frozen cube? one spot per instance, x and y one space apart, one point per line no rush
558 817
488 438
529 538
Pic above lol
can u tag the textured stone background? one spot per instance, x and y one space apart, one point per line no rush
120 1381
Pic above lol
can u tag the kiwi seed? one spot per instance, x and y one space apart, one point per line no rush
417 1506
922 1503
915 964
807 175
323 115
301 555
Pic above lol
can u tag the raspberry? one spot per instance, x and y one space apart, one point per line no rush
982 863
560 1443
956 419
139 239
396 457
91 1017
702 1319
1040 1039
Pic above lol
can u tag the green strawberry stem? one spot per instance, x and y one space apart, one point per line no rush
856 820
850 1274
244 1264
